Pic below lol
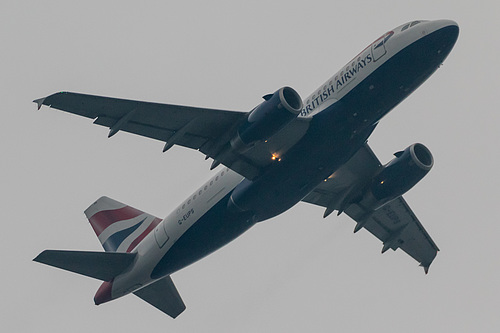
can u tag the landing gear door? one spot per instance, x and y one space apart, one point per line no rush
378 47
161 235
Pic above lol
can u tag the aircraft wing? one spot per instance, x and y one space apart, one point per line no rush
394 223
206 130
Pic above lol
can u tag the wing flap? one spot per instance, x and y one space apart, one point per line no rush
153 132
188 140
397 219
161 119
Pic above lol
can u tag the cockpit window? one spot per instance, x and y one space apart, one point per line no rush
409 25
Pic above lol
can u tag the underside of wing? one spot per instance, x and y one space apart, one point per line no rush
393 223
207 130
396 226
341 188
194 126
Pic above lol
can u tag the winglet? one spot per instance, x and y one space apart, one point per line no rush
39 102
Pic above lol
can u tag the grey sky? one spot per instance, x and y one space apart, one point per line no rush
296 272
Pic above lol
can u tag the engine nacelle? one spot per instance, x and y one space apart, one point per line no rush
398 176
268 118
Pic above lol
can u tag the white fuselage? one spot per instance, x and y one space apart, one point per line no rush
157 244
367 61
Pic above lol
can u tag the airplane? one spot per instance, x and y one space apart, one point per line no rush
283 151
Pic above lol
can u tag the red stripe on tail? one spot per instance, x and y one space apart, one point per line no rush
103 219
141 236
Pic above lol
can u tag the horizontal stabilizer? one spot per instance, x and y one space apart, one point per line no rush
99 265
164 296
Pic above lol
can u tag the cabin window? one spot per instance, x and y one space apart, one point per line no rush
414 23
405 27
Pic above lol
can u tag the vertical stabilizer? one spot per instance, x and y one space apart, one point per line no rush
119 227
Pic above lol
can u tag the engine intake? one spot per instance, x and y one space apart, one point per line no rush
398 176
268 118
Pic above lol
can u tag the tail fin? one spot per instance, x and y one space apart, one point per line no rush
119 227
99 265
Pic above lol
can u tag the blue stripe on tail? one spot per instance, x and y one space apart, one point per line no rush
114 241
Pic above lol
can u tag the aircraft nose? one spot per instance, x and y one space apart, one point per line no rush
445 23
447 28
441 36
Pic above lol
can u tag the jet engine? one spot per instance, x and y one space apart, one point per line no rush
398 176
268 118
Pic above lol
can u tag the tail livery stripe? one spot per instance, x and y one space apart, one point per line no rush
120 228
123 236
103 219
134 234
114 242
136 241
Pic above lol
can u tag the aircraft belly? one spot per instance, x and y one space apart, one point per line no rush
214 229
337 132
334 135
